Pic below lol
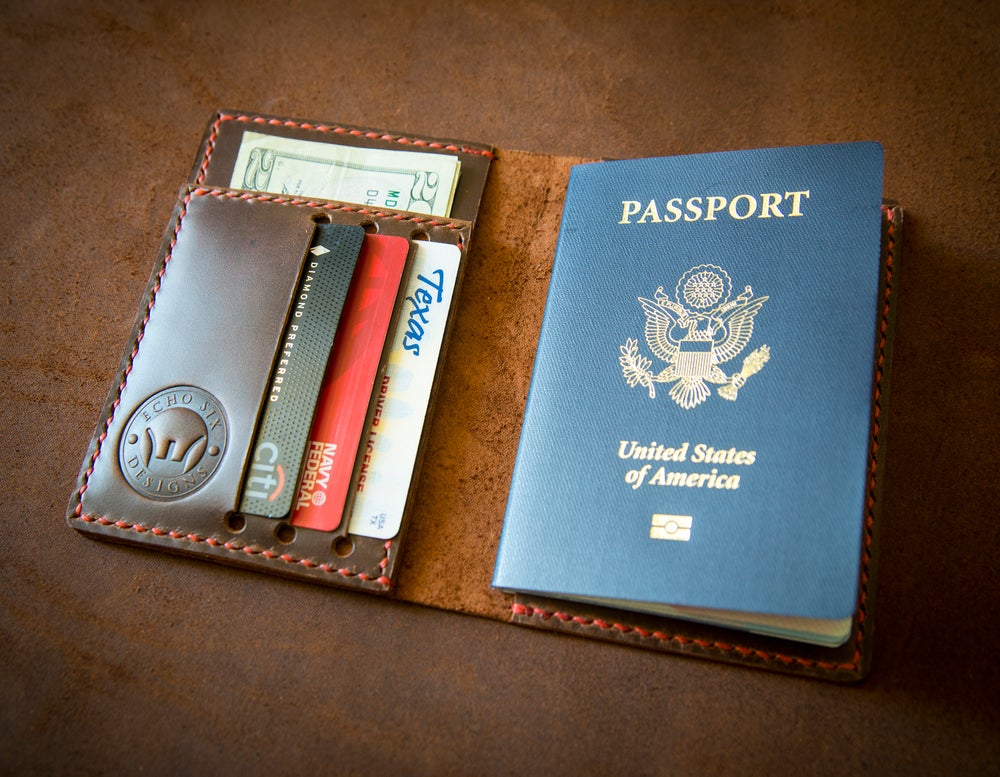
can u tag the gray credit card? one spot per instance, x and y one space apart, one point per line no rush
283 429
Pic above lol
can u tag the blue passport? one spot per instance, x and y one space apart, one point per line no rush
697 435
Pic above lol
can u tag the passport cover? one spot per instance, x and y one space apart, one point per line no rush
456 507
698 426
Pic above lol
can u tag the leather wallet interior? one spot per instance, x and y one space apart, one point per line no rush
206 335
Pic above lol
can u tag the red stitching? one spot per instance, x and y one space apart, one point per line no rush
529 611
209 150
325 128
249 550
235 194
132 355
190 537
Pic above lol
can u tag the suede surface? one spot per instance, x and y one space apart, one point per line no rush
116 659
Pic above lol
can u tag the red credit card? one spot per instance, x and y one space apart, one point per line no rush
343 402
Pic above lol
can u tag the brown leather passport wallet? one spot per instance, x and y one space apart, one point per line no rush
205 341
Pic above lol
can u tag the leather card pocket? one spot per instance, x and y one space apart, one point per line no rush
168 459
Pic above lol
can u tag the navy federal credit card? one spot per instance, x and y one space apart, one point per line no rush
283 429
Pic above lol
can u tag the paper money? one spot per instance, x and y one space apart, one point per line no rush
403 180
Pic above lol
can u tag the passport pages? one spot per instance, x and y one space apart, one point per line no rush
697 435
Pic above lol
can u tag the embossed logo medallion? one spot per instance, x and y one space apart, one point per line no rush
173 442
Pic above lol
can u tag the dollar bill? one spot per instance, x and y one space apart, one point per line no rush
415 181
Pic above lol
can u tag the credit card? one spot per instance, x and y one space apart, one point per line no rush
283 429
347 387
392 437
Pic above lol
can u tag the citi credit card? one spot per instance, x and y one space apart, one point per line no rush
314 318
346 393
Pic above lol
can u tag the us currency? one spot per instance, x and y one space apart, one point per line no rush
403 180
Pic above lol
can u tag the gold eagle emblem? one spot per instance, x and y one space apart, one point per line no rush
694 333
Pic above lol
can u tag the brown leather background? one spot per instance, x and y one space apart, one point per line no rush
115 659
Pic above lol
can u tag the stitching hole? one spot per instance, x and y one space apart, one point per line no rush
343 546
